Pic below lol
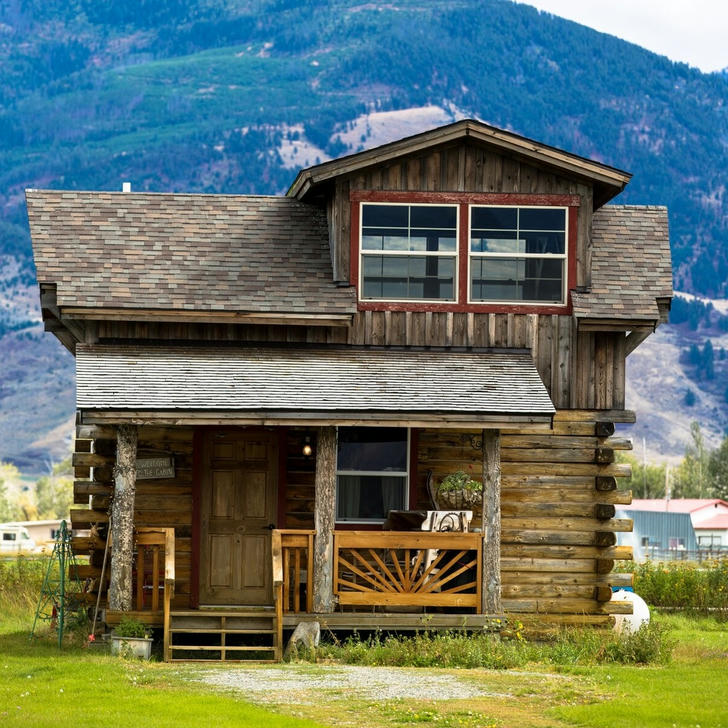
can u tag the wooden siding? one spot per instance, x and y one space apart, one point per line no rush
462 167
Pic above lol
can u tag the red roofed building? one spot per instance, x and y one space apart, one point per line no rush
709 516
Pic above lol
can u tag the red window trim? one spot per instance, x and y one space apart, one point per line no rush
464 200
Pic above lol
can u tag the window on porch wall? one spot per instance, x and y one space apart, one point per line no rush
372 473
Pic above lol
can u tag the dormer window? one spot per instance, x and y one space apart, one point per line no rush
517 254
448 251
408 252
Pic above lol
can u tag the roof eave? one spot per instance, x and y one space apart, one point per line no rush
608 181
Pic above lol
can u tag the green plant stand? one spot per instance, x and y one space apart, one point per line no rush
60 586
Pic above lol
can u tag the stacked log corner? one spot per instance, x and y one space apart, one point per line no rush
558 498
158 502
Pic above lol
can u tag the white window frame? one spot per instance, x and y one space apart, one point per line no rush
395 473
455 254
553 256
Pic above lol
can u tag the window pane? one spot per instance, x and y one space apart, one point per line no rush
385 215
496 241
412 277
542 218
384 239
432 216
368 497
513 279
372 448
432 240
543 242
498 218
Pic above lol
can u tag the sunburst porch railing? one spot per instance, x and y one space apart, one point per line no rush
408 569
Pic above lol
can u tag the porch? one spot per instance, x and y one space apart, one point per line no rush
396 581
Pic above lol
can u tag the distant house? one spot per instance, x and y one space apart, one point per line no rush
261 381
658 535
709 517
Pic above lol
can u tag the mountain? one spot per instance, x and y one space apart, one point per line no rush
233 96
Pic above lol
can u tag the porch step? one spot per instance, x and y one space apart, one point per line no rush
224 635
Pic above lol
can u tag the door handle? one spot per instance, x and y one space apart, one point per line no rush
270 526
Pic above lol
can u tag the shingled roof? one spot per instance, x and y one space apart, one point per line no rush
185 251
275 380
631 266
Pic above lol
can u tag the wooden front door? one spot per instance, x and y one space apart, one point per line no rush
238 507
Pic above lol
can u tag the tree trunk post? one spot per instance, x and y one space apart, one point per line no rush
122 519
324 518
491 589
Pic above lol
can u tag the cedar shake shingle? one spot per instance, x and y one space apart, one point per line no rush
631 265
182 251
308 379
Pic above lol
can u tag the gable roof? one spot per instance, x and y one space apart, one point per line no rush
229 253
631 265
608 181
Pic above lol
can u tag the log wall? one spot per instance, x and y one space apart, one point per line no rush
164 502
558 529
558 500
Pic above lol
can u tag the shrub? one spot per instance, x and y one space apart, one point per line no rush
684 585
21 580
586 646
129 627
429 649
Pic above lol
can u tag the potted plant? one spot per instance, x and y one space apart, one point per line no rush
459 492
131 638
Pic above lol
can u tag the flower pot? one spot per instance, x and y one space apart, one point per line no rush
140 647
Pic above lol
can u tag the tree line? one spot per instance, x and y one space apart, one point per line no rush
49 497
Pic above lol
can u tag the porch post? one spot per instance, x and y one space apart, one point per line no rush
122 519
491 589
324 517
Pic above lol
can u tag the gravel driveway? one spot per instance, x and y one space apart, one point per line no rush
297 684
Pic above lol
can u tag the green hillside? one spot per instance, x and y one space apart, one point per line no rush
178 96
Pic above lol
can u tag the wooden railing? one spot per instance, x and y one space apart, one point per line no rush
408 568
296 569
151 581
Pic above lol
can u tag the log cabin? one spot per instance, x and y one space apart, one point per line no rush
270 389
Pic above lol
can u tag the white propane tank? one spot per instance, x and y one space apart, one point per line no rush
640 612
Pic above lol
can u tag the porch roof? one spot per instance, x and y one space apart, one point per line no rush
334 385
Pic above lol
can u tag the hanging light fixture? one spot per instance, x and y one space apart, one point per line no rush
307 447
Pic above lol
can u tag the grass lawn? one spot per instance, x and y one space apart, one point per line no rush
690 692
41 686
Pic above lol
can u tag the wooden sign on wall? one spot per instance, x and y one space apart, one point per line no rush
156 467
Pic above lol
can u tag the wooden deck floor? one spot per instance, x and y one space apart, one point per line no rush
348 621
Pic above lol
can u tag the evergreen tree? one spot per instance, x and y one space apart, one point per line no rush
707 356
